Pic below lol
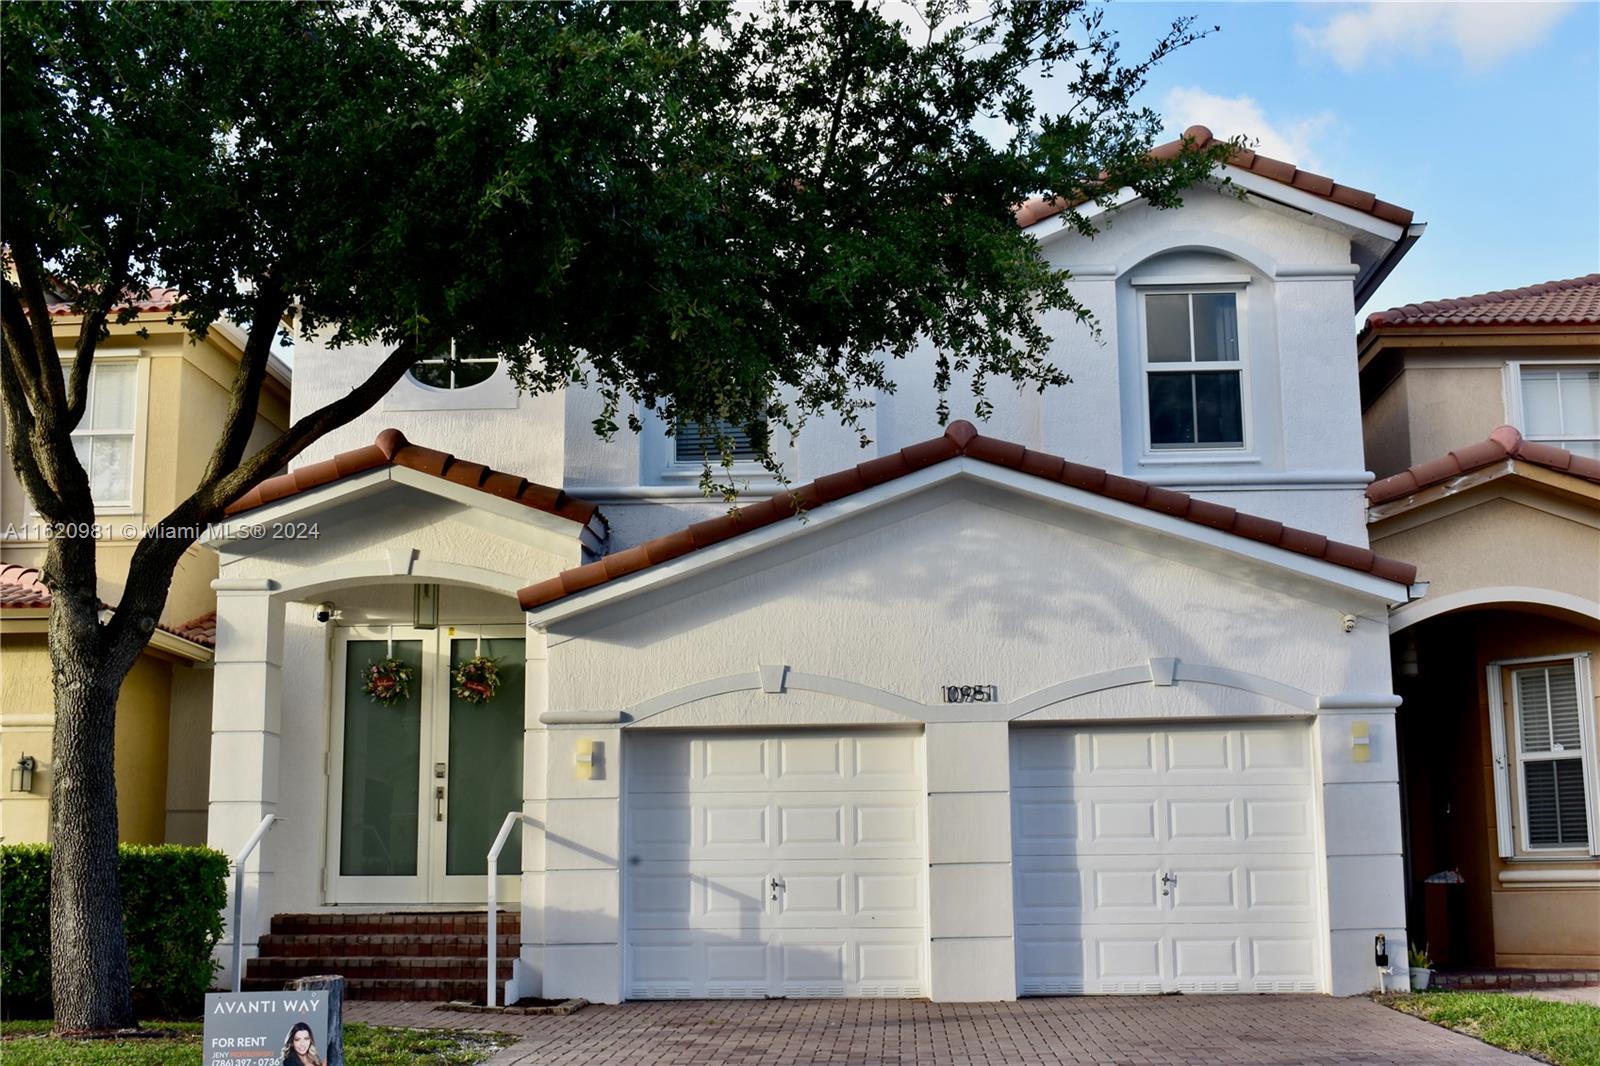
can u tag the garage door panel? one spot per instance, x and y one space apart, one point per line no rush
837 819
1222 811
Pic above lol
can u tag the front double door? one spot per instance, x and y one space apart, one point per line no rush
419 784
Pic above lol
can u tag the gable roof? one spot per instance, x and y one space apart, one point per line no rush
160 299
960 439
392 449
1504 443
21 586
1197 138
1569 302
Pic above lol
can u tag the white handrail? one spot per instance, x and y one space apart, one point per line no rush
512 818
238 892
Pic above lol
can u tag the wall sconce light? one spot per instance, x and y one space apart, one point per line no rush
22 774
1360 742
590 755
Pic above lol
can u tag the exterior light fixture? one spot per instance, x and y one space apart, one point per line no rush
1360 742
22 774
425 606
590 756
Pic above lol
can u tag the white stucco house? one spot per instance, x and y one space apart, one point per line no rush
1094 698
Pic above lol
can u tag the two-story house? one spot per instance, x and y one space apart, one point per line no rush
1482 418
1094 699
157 399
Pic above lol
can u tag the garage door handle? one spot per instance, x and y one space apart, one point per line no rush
777 883
1167 880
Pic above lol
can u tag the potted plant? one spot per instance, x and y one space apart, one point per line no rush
1421 966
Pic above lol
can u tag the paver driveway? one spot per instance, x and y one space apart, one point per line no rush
1156 1030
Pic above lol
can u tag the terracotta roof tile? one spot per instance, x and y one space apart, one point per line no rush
1570 302
961 438
160 299
1198 138
21 586
1504 443
392 449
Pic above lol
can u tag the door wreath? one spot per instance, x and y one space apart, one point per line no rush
477 679
387 681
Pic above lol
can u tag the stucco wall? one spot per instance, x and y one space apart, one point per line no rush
26 714
1510 537
1301 356
958 586
188 755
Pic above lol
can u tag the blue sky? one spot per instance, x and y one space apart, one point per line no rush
1484 119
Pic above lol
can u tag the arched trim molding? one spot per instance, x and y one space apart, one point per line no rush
1494 596
397 568
1197 241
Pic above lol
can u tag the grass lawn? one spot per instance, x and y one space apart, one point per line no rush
1567 1034
29 1044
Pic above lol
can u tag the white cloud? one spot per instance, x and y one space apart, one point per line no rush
1482 33
1294 141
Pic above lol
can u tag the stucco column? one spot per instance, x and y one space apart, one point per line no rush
246 724
582 879
535 794
1362 841
973 954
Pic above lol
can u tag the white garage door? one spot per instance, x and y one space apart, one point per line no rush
786 864
1177 859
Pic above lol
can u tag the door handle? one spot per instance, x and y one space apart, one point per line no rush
438 804
1167 881
777 883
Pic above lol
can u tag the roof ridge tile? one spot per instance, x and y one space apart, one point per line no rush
1506 442
961 438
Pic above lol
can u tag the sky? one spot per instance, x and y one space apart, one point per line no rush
1482 118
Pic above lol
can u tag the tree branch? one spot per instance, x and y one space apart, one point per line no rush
244 398
19 430
19 340
30 278
94 320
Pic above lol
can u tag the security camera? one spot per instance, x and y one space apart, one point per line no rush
325 612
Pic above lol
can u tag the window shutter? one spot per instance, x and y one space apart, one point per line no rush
1502 774
691 445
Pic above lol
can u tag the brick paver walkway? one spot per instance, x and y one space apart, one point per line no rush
1147 1031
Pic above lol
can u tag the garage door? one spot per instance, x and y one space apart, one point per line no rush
1177 859
786 864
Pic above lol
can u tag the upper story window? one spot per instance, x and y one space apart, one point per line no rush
691 444
1193 370
1561 406
104 437
448 370
1553 753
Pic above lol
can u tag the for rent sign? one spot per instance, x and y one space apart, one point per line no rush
266 1028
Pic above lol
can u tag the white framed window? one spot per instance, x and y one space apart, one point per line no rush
1194 370
1543 733
1560 405
104 438
447 370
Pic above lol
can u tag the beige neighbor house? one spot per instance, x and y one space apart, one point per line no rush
1482 422
157 398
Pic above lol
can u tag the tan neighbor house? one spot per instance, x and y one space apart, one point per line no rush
157 404
1481 418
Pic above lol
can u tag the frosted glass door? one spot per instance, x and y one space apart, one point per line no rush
380 778
481 745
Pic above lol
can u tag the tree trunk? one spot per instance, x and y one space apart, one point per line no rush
89 974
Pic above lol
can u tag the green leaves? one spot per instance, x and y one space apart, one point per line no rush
724 213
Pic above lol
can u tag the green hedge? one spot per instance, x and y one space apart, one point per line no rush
172 901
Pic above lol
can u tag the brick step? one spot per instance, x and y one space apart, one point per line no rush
394 990
322 945
443 923
414 967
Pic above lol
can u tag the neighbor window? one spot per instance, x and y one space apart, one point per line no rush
447 370
104 437
1561 406
1193 370
1551 755
692 444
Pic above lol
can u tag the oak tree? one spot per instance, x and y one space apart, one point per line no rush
727 214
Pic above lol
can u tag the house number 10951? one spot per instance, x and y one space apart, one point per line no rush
970 694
